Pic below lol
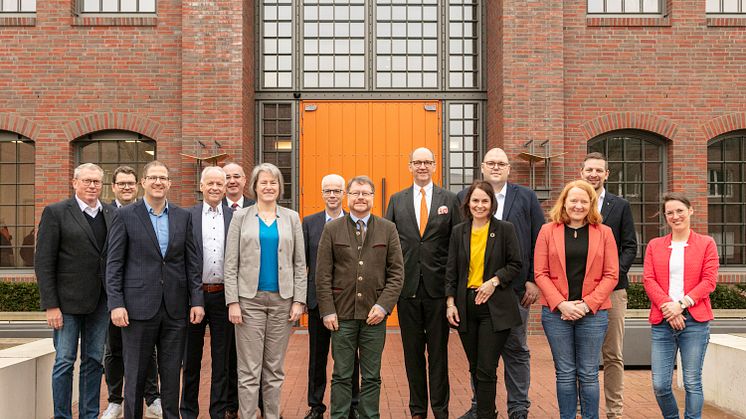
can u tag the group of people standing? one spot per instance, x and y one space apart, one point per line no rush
155 275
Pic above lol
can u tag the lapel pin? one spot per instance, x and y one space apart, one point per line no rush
492 235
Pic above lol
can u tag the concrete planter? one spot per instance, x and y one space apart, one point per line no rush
637 333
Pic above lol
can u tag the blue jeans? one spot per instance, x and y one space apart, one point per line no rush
576 350
91 328
692 342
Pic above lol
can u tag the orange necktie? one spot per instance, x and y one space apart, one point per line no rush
423 212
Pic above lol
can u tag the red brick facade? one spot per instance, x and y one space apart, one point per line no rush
551 73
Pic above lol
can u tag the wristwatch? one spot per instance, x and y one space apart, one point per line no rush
586 307
495 282
682 305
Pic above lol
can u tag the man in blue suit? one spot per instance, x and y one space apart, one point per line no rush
332 191
210 221
154 285
520 206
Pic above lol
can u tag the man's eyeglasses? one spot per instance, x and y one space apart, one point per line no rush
335 192
493 164
156 179
359 194
426 163
89 182
125 185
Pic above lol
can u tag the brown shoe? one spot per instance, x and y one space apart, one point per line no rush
229 414
418 416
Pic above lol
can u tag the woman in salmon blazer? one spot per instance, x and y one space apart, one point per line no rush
576 266
681 271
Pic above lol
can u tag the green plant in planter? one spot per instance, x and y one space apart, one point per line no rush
19 296
724 297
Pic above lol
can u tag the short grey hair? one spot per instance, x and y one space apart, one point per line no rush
88 166
363 180
273 171
332 177
209 169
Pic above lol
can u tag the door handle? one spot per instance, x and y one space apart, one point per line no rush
383 196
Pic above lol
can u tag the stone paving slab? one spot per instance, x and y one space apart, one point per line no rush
639 400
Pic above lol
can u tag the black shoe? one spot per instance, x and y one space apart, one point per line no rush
353 414
314 414
523 414
469 414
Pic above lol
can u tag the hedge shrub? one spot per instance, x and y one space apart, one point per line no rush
19 296
724 297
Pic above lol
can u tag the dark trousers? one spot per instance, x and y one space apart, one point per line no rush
318 354
221 344
483 347
114 369
424 328
167 335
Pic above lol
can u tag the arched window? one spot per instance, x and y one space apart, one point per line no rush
111 149
726 187
637 167
17 167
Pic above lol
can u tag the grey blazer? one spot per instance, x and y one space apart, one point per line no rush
243 256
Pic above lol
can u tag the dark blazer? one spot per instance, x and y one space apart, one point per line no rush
247 202
617 214
69 263
313 226
502 259
523 210
375 272
138 278
424 256
196 213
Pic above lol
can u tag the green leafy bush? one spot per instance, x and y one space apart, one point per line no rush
724 297
19 296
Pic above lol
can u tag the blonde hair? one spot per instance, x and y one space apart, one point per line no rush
558 214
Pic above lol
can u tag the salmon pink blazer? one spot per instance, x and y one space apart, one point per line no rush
701 265
601 269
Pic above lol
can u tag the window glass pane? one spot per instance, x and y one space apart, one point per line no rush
462 160
651 6
613 6
730 6
91 6
17 200
28 5
632 6
128 5
109 6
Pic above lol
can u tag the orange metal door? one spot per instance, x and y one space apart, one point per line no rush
371 138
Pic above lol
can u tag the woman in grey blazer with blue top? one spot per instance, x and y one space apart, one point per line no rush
265 289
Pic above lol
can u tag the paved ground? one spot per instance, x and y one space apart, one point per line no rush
639 399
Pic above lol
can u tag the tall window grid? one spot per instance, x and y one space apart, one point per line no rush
277 40
463 38
17 6
625 6
118 6
726 185
636 166
406 34
334 43
463 144
277 143
17 170
726 6
111 149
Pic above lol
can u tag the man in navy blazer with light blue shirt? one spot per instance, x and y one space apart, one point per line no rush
520 206
154 286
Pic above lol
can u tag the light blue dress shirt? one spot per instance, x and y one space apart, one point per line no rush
160 225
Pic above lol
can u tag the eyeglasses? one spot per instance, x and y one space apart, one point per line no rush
426 163
89 182
678 212
359 194
336 192
493 164
125 185
156 179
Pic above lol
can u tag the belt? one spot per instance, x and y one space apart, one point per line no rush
213 287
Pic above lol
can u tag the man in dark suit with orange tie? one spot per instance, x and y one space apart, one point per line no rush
154 286
424 215
332 191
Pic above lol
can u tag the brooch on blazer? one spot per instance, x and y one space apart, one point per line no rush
492 235
442 210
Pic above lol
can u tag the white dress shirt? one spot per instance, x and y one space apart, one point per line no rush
213 244
239 202
418 198
93 212
601 197
500 198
